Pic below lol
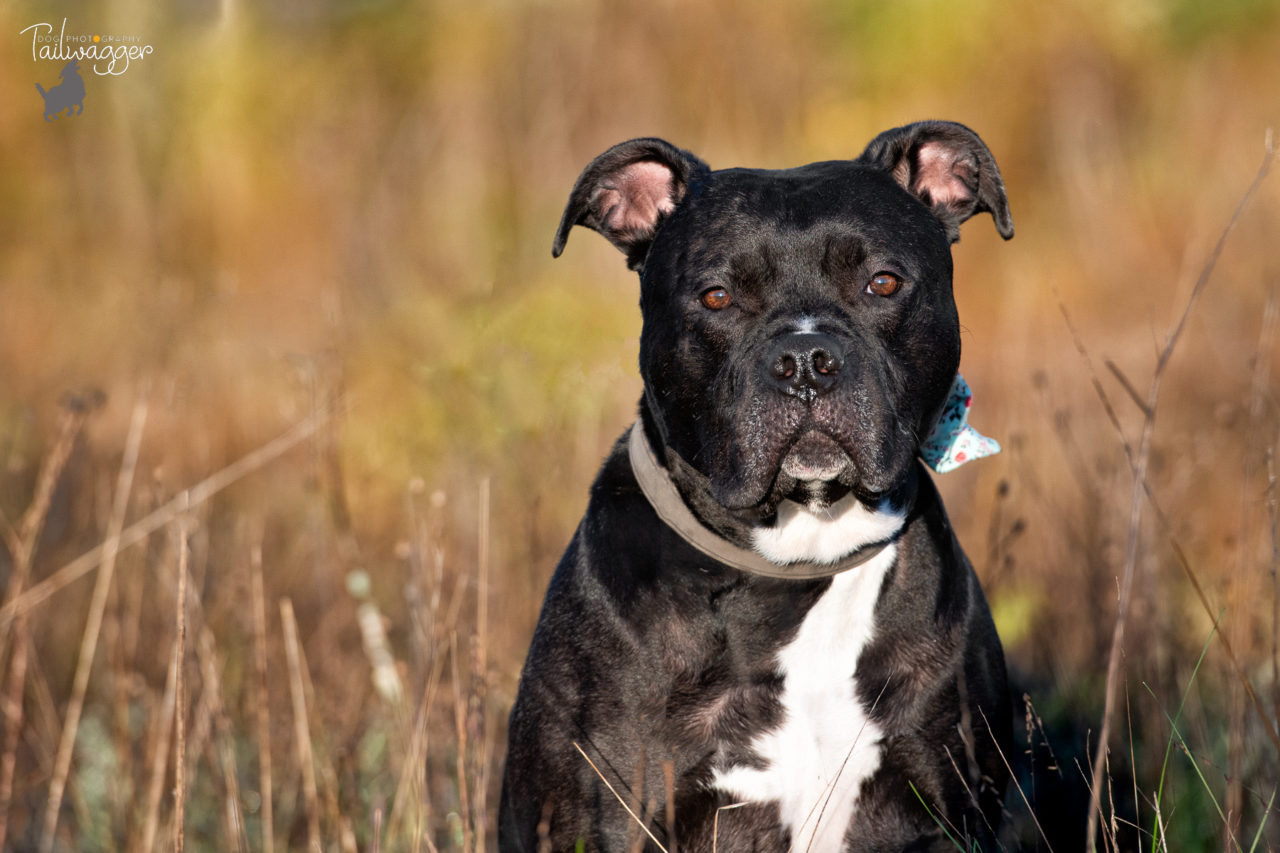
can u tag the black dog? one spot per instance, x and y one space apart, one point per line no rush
764 618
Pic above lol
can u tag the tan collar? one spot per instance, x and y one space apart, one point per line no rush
655 482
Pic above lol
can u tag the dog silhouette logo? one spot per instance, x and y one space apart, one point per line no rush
67 95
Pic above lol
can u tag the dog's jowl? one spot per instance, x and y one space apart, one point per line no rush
764 635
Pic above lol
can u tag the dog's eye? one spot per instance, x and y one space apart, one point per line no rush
884 284
717 299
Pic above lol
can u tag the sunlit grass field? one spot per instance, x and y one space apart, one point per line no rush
281 337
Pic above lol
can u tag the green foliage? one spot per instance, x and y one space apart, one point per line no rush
1192 24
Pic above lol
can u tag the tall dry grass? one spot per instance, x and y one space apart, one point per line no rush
317 235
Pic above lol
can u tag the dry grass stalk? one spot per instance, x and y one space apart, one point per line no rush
18 603
1021 793
301 725
198 740
158 752
636 838
412 773
117 703
223 742
1133 758
1113 832
13 721
122 633
623 802
1160 824
21 544
1244 585
22 541
715 824
1181 558
42 730
438 625
1178 552
435 634
180 712
325 774
199 734
1273 511
480 677
460 719
93 625
347 835
259 696
1136 502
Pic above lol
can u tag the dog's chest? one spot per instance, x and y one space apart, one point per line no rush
814 761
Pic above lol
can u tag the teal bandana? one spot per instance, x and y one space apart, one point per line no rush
953 442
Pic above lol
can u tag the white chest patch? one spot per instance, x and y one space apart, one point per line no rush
827 534
826 746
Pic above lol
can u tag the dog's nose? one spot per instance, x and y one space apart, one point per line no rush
804 364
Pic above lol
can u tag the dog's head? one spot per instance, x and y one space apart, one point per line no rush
800 335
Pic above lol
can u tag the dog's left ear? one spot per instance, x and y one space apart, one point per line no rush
947 167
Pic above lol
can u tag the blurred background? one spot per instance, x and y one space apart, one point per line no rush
339 215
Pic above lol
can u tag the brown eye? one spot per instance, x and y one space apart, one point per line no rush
717 299
884 284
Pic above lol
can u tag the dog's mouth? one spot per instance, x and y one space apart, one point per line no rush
815 458
817 470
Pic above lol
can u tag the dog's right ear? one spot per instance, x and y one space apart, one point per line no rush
627 191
